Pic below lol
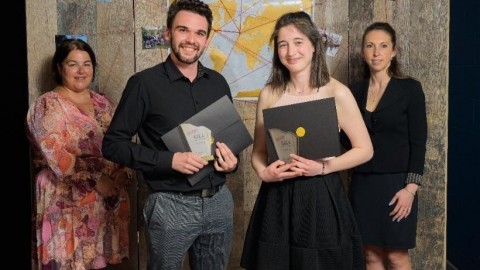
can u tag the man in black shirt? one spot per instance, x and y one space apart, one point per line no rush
179 217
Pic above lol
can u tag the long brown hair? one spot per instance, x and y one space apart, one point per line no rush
280 76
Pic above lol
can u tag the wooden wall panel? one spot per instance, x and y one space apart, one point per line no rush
429 53
244 185
115 46
360 16
148 13
78 17
332 16
41 26
422 38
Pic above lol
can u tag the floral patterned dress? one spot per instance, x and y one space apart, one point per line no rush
76 228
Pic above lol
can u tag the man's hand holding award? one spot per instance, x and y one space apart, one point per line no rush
219 122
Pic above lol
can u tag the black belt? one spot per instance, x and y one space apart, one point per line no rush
203 193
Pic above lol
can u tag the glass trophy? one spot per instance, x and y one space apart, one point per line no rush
199 140
285 143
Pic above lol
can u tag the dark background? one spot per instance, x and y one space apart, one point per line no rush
16 190
463 187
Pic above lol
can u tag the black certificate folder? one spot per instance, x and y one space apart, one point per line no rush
309 129
226 126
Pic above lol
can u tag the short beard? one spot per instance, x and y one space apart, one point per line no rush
184 60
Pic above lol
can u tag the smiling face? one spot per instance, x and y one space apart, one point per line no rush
77 71
295 50
378 50
188 37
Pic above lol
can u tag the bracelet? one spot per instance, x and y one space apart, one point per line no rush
323 168
413 194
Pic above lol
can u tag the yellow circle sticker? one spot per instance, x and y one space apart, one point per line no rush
300 132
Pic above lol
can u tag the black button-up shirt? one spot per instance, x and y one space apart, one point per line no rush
155 101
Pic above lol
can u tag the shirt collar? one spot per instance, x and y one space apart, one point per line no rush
175 74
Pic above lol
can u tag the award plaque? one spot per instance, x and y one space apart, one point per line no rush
285 143
309 129
220 122
199 140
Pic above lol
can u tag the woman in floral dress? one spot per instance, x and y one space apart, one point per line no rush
81 199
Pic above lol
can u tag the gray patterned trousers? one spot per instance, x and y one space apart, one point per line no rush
177 224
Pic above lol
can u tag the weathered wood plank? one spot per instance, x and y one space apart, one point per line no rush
332 16
428 61
244 185
115 46
360 16
149 13
41 26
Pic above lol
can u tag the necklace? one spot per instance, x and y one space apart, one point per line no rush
376 88
298 92
375 94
